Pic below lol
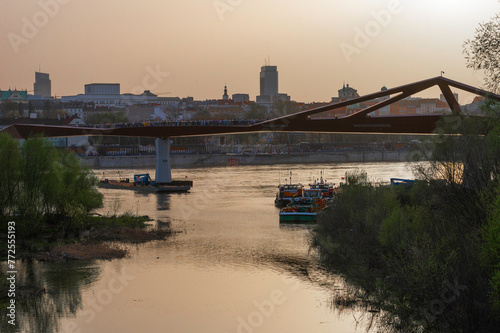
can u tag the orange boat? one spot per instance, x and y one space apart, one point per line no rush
287 192
304 208
328 189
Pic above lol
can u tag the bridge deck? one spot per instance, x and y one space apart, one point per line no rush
401 124
358 122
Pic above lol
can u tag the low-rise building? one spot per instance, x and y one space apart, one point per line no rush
108 94
241 98
14 95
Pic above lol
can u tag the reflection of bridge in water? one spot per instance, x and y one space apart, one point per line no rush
359 122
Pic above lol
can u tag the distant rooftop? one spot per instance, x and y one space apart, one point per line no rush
102 89
14 94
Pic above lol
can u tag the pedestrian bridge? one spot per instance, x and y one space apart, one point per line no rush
359 122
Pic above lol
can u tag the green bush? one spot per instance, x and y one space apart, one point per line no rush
42 186
397 246
491 253
427 254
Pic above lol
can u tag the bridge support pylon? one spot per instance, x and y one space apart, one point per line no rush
163 170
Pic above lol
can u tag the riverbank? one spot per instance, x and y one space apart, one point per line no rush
96 240
386 240
197 160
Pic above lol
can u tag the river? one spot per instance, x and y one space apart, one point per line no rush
230 268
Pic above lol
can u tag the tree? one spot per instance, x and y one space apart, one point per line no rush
60 114
108 118
38 179
10 164
11 106
12 114
403 245
42 185
31 109
482 53
257 111
284 108
10 109
47 108
20 109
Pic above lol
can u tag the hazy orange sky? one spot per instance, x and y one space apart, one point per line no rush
196 46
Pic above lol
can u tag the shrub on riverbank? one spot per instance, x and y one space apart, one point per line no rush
94 237
427 255
125 228
409 256
44 189
49 195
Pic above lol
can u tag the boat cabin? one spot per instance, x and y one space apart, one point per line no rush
312 193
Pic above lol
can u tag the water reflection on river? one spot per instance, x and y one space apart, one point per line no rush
232 268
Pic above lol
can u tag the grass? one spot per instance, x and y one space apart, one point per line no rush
92 241
114 222
82 251
125 228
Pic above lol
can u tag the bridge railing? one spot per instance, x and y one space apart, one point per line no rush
175 123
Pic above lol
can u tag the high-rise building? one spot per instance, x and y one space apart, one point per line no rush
269 87
268 80
42 86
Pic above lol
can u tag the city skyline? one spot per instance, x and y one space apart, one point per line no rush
194 48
